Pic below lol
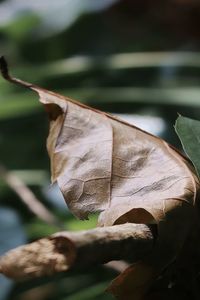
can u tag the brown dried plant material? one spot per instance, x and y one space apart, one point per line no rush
41 258
66 250
104 164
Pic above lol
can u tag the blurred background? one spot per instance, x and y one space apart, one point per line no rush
137 59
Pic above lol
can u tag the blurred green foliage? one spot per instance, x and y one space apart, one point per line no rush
124 57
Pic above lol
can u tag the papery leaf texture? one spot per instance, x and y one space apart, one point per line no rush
104 164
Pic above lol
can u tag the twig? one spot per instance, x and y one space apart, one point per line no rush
65 250
28 197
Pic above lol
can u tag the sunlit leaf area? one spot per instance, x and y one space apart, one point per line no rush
139 60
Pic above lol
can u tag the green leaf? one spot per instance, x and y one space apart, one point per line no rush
188 131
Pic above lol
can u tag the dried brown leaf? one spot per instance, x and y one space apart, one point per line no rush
102 164
105 164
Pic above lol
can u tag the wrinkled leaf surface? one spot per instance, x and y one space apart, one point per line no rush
104 164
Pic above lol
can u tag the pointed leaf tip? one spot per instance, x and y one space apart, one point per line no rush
5 73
